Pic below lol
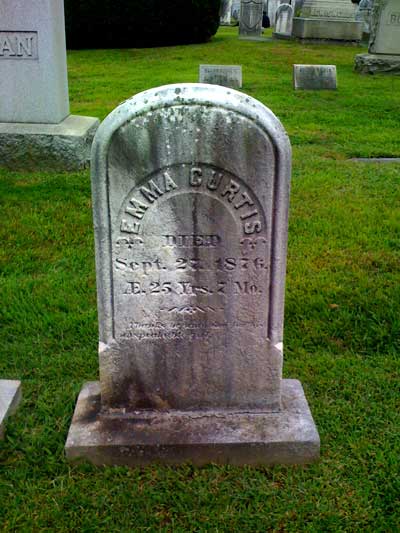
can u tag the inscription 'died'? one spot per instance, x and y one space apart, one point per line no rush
188 261
18 45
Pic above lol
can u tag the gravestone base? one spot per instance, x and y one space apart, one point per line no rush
282 36
288 436
377 64
256 38
10 398
325 29
63 146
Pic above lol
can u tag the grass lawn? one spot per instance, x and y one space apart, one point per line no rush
342 337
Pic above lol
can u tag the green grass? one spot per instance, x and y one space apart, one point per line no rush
342 312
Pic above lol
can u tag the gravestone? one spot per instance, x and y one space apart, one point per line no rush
225 75
236 10
190 251
36 129
225 12
314 77
384 45
328 20
251 14
363 14
284 22
10 397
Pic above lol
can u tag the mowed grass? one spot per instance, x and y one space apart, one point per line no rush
342 312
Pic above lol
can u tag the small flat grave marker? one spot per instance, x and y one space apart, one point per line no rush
314 77
225 75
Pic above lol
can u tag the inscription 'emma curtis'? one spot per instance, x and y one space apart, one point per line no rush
226 188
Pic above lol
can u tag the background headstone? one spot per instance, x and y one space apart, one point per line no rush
328 19
314 77
36 130
251 14
190 252
226 12
225 75
10 397
384 45
284 22
236 10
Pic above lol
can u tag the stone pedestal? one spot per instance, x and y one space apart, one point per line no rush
191 255
63 146
328 20
377 64
384 44
10 398
287 436
35 126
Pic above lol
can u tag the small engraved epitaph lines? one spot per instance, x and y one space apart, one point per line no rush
19 45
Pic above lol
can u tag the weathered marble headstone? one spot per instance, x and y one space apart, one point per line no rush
328 19
225 75
191 251
314 77
251 14
225 12
36 130
10 397
284 22
384 45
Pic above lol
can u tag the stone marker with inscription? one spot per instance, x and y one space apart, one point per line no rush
328 20
225 75
10 397
250 23
314 77
284 22
384 45
190 252
36 129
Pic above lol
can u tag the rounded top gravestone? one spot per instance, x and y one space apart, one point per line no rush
190 188
190 196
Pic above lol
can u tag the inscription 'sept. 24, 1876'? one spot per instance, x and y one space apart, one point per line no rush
190 191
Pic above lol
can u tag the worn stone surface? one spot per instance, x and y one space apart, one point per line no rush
173 437
33 63
64 146
190 254
10 397
385 28
377 64
225 75
284 22
225 12
251 13
314 77
328 19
